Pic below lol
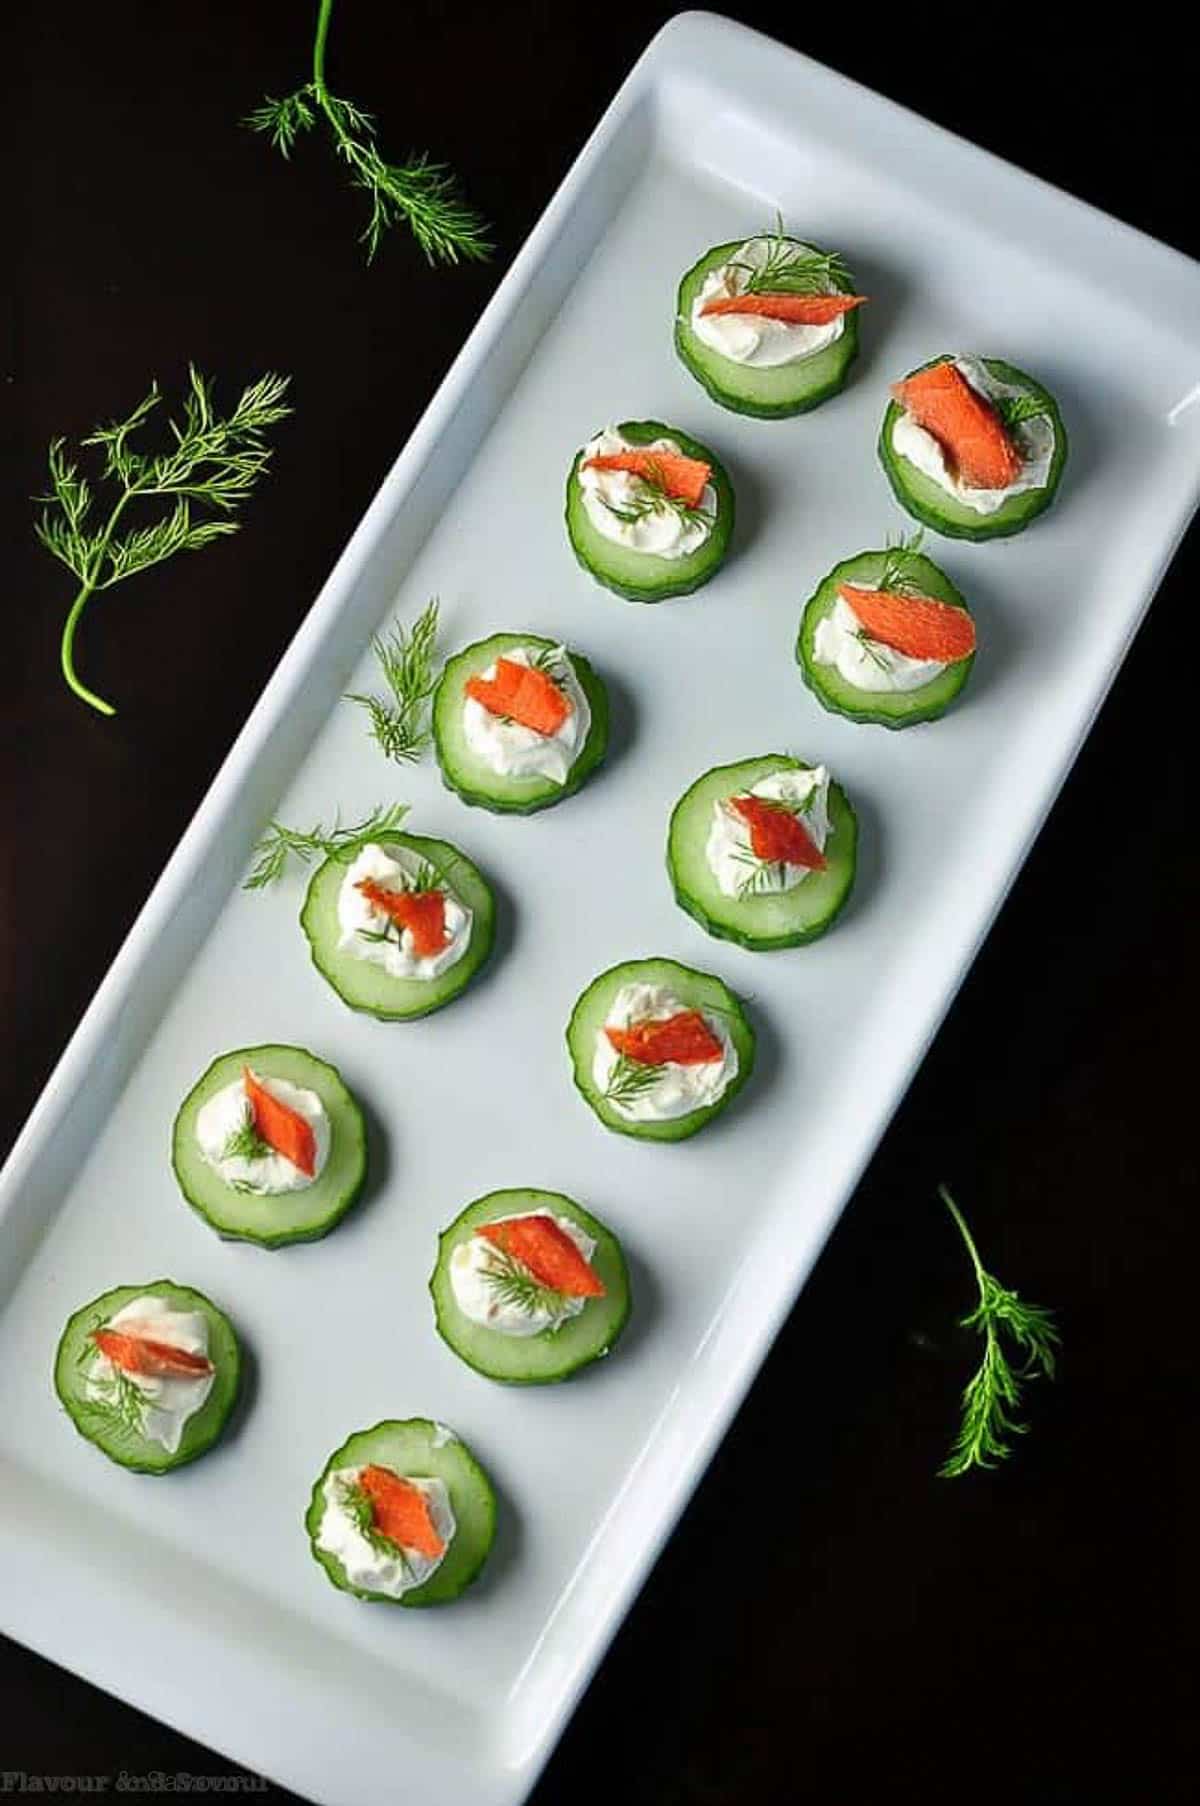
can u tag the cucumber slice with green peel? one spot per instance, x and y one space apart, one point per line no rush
773 919
774 393
882 708
695 991
292 1216
474 780
416 1448
646 576
368 987
928 502
554 1354
112 1430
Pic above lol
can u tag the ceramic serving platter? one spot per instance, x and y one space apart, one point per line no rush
195 1596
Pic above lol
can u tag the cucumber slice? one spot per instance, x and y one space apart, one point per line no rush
470 776
117 1439
926 501
418 1448
294 1216
695 990
882 708
555 1354
645 576
776 919
368 987
772 394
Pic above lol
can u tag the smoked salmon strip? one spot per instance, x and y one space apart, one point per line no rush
400 1511
524 694
966 426
283 1129
777 835
683 478
917 626
795 310
681 1040
422 912
154 1360
549 1253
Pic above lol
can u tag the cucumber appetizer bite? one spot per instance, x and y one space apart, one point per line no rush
270 1147
886 638
402 1513
769 326
763 852
658 1049
973 447
529 1287
399 925
149 1373
518 723
649 511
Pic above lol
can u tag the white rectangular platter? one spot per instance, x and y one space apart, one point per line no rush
195 1597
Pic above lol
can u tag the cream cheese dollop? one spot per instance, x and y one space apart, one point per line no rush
360 922
868 664
750 338
514 751
662 531
229 1110
477 1297
730 856
678 1089
168 1400
1034 439
367 1565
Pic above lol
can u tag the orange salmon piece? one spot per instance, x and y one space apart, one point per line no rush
683 478
968 428
144 1355
794 310
776 835
400 1511
422 912
524 694
283 1129
681 1040
917 626
549 1253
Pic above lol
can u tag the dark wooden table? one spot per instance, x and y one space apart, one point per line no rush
893 1637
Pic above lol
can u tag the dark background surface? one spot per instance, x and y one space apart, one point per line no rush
890 1636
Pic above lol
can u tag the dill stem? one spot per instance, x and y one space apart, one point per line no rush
968 1238
87 589
318 67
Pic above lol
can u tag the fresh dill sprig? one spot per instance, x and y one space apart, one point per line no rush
762 875
1016 409
514 1285
245 1143
897 576
400 723
419 193
652 496
629 1080
120 1403
215 461
870 648
357 1505
279 843
993 1394
792 268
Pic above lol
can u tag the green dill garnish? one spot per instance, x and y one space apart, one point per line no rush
762 875
792 268
1014 410
993 1394
356 1503
279 843
870 648
400 722
897 574
245 1143
119 1402
630 1080
514 1285
418 193
214 461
